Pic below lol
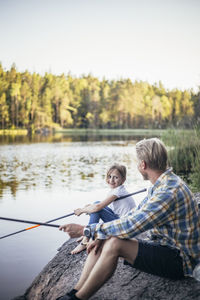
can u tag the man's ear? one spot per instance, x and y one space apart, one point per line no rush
143 165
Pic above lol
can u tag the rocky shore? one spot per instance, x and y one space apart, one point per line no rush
62 272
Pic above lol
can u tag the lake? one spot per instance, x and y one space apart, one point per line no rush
47 177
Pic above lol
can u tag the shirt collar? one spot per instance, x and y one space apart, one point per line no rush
160 178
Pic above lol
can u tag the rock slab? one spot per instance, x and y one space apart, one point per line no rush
62 272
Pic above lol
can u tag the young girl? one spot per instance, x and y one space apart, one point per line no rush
108 209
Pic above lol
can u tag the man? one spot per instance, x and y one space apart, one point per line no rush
169 213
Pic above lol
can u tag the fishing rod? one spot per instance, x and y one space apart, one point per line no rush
29 222
52 225
45 224
131 194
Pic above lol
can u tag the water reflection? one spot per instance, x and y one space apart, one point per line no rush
47 177
68 164
71 137
12 184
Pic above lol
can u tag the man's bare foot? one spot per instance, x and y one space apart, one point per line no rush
78 249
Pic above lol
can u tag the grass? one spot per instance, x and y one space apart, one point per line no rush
84 131
134 132
184 155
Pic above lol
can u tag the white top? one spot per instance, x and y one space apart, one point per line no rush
121 207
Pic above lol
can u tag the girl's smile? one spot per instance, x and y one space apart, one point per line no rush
114 179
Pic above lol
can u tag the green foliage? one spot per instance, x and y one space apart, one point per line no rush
184 154
33 101
195 175
4 115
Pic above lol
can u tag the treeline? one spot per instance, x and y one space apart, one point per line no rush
33 101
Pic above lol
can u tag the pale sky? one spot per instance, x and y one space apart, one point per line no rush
148 40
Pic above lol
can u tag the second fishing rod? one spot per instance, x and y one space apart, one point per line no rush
37 224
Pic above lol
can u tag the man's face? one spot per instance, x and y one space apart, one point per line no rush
141 165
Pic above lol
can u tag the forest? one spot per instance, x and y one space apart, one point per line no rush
32 101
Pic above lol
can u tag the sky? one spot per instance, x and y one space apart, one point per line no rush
147 40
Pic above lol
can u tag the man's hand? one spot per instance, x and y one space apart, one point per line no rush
74 230
94 244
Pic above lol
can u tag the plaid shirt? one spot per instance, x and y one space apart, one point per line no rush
171 215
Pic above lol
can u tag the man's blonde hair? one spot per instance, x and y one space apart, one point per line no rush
120 168
153 152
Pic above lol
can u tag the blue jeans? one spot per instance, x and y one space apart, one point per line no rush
106 214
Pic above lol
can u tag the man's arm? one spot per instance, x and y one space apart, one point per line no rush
155 212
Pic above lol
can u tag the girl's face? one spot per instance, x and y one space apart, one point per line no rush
114 179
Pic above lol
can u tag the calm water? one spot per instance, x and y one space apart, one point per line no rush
43 179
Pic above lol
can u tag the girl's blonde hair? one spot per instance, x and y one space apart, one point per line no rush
153 152
120 168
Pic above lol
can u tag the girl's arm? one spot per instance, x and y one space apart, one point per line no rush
91 208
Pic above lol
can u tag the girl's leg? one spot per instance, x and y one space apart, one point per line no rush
81 246
106 214
94 217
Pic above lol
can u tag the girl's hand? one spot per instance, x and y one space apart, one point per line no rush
78 211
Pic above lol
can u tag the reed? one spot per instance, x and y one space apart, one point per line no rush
184 154
133 132
195 175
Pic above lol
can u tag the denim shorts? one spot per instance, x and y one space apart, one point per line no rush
158 260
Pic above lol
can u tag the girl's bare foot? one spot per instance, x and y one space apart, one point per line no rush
79 239
78 249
